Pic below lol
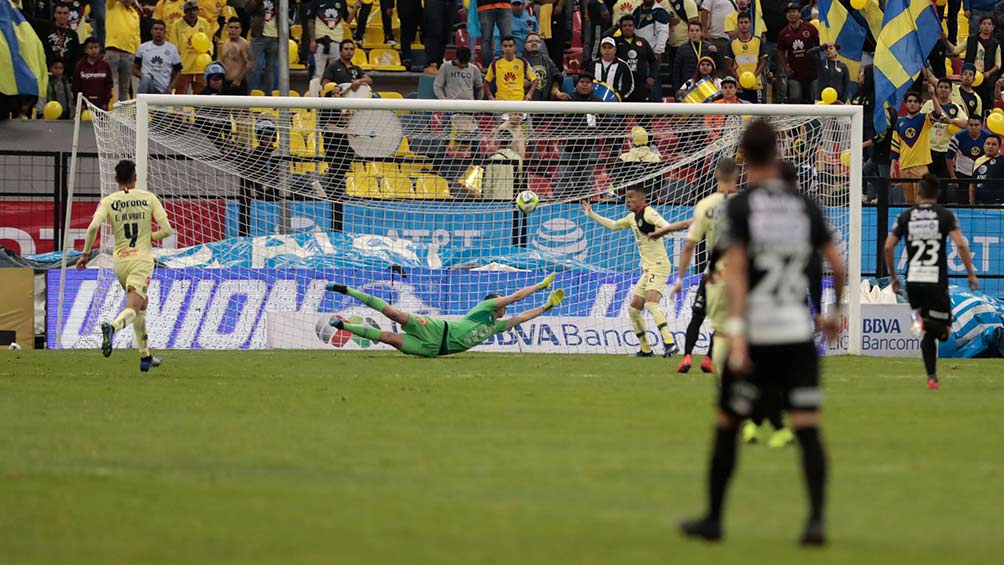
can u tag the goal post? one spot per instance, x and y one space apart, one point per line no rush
413 201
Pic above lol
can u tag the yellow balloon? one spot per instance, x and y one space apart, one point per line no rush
52 110
747 80
202 61
845 157
200 42
85 116
859 4
941 2
997 111
294 51
996 123
979 78
829 95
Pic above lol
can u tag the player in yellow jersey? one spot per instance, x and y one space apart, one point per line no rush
704 226
655 264
131 213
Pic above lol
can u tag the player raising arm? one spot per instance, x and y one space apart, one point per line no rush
703 226
926 228
426 336
131 212
656 266
769 236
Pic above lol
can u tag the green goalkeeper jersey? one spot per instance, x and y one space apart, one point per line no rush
476 326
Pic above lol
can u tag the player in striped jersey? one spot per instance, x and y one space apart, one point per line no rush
131 212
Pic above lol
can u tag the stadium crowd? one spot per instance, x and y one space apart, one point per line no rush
721 51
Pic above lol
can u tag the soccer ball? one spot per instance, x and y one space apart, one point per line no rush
527 201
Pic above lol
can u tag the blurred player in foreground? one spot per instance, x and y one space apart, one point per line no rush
656 266
426 336
131 212
769 236
704 226
926 228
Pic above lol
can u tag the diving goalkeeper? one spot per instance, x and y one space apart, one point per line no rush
426 336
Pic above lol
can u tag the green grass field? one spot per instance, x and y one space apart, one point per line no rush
295 457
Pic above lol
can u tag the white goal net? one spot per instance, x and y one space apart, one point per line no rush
413 201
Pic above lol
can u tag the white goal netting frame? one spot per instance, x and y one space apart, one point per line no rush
249 272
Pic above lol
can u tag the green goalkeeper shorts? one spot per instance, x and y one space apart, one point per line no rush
423 336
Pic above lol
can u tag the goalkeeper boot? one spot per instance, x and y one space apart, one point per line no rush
814 534
339 288
781 438
706 364
107 333
644 354
669 349
750 432
145 363
932 383
685 364
704 528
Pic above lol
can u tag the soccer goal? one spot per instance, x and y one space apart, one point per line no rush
414 201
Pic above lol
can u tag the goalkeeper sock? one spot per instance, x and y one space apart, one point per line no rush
693 332
125 318
371 301
372 334
139 328
638 323
660 321
711 345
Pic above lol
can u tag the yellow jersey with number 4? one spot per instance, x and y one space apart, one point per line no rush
131 215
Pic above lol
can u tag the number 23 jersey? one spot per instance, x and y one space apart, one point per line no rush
780 230
130 214
924 229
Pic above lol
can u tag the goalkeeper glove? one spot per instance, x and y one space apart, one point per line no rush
546 283
556 297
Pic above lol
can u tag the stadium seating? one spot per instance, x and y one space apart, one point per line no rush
431 186
382 59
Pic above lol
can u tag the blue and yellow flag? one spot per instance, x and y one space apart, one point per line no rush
910 29
836 25
22 57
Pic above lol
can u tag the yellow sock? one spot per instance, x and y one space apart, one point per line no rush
638 323
660 321
139 327
125 318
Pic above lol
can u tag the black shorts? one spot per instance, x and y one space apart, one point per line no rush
700 305
789 372
934 305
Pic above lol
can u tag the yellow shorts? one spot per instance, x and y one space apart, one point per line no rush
134 275
651 280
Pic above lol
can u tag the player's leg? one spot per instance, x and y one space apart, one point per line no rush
802 398
134 302
697 312
638 323
395 314
652 298
369 332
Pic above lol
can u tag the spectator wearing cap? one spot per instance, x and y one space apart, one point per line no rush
730 92
830 72
689 54
793 45
121 42
458 79
180 35
611 70
157 63
169 11
523 24
965 95
704 71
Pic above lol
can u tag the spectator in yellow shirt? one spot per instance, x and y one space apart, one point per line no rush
212 12
169 12
181 36
510 77
121 42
